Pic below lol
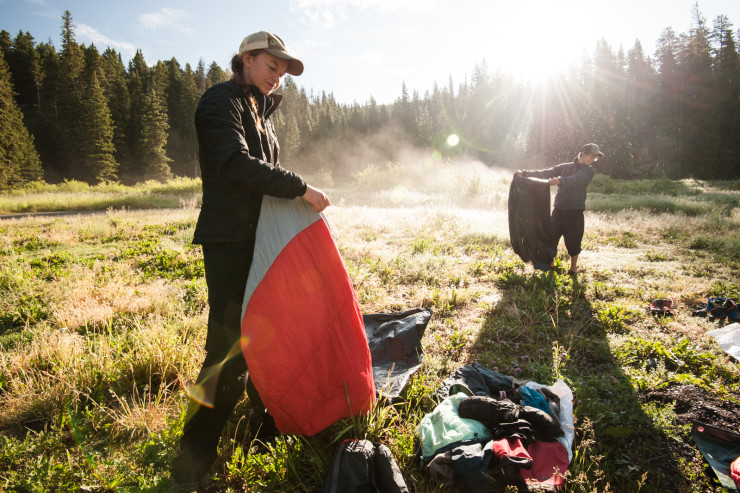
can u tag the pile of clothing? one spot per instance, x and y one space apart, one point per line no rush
718 308
491 428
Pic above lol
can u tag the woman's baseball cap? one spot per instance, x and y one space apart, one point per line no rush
592 149
272 44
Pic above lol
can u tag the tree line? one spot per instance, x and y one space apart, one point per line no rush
80 114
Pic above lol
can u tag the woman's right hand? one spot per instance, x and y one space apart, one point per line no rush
316 198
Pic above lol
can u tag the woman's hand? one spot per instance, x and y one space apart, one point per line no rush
316 198
555 181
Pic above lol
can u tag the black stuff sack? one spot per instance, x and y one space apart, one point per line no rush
361 466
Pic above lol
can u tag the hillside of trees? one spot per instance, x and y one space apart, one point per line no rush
76 113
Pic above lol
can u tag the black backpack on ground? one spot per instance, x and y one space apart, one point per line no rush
360 466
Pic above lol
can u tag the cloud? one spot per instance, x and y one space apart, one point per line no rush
166 18
365 59
43 9
101 41
383 6
320 17
325 14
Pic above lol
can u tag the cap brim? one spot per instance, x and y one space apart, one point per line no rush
295 66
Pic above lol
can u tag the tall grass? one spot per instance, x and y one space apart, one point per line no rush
78 196
102 331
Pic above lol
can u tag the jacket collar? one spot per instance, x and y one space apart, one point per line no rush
267 104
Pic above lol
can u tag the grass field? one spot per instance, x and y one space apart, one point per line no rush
102 327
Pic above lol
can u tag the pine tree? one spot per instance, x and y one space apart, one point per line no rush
19 161
23 62
290 140
304 118
113 81
182 98
641 100
70 97
668 107
200 76
154 160
190 98
97 162
699 124
727 80
5 43
215 75
139 84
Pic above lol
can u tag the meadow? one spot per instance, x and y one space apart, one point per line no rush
103 315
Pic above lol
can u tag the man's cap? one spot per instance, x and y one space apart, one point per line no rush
272 44
592 149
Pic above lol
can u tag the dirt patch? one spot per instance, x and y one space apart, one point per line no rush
696 404
692 404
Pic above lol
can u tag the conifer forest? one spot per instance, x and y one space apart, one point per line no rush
74 112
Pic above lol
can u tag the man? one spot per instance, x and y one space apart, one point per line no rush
570 200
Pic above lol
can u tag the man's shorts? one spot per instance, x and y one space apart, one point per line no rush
569 224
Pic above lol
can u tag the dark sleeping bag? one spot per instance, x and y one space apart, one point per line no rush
530 231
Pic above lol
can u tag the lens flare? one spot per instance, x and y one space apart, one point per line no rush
204 392
453 140
398 194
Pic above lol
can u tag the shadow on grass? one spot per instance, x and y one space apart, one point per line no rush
544 328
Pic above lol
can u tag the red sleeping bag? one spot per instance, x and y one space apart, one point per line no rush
302 330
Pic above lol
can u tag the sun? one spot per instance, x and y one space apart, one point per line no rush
546 44
539 64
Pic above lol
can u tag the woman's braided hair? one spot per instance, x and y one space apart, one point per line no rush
237 69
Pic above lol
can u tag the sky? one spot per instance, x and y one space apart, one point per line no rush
356 49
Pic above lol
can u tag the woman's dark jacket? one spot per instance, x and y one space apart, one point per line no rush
238 163
574 178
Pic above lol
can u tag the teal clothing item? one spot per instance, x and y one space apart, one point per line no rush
531 397
444 426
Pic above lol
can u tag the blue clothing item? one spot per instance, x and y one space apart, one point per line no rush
531 397
574 178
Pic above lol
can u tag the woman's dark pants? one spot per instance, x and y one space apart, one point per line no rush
223 376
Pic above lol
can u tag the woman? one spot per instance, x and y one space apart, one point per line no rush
570 200
239 161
